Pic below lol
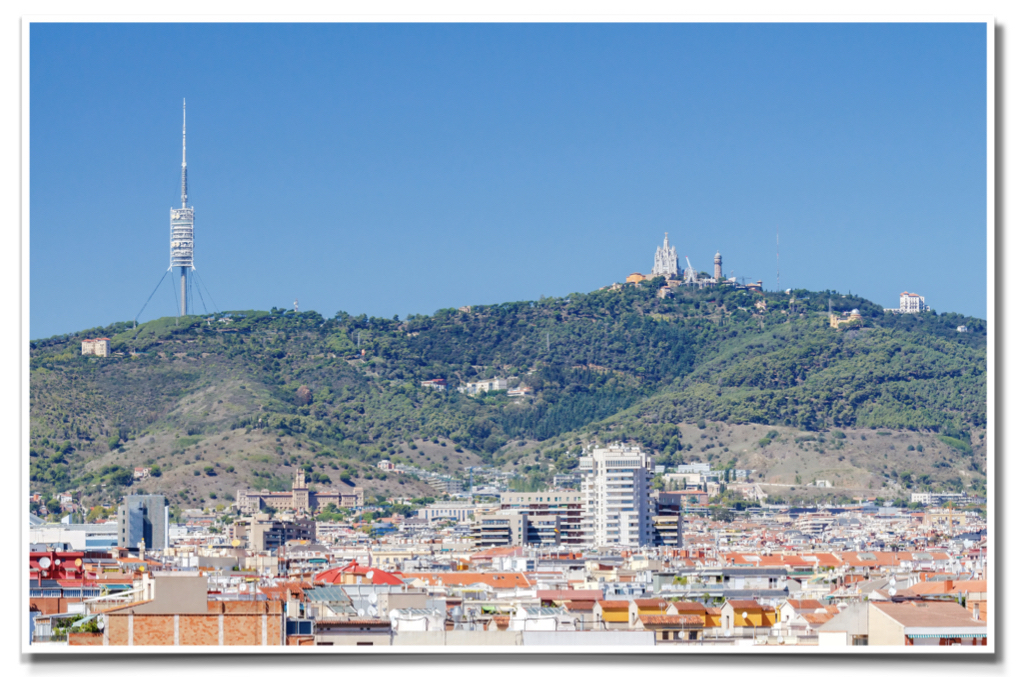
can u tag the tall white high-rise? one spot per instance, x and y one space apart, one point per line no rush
616 493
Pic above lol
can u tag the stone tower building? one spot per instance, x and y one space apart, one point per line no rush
718 275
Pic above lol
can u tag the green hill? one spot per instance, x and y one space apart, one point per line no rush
258 391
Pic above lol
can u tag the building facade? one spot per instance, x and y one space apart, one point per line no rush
97 346
616 494
912 303
300 498
566 506
665 261
478 387
143 520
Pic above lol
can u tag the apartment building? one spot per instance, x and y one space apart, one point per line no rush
566 506
97 346
912 303
616 493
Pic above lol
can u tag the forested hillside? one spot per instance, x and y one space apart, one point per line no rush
338 394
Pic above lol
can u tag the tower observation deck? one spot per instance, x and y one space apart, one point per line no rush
182 229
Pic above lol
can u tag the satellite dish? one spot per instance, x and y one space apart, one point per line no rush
44 562
360 612
373 610
745 614
57 562
727 633
77 562
370 574
372 598
236 542
100 624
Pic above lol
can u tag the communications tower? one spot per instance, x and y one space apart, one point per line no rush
182 229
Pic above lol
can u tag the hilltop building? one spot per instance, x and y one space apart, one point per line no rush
477 387
97 346
665 261
912 303
718 269
616 494
854 317
300 498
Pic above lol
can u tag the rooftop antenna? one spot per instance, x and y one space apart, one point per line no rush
778 257
296 305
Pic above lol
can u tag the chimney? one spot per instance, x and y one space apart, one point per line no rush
977 612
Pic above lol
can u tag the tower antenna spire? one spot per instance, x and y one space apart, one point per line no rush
183 166
182 228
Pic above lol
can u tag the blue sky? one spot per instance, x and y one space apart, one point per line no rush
399 168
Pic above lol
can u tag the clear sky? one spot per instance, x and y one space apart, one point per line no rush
399 168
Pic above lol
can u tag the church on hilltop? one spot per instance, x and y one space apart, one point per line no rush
665 261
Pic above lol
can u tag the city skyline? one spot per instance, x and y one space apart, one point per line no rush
390 174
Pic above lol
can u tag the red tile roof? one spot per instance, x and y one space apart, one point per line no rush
614 604
555 595
671 621
498 580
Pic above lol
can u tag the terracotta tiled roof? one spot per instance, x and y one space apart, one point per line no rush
650 603
579 605
495 580
378 577
689 607
744 604
671 621
614 604
929 614
802 604
554 595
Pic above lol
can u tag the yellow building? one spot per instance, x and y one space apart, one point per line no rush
837 320
635 278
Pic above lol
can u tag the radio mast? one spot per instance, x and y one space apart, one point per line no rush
182 228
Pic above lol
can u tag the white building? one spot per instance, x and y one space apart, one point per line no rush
912 303
99 347
478 387
451 510
616 492
665 261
